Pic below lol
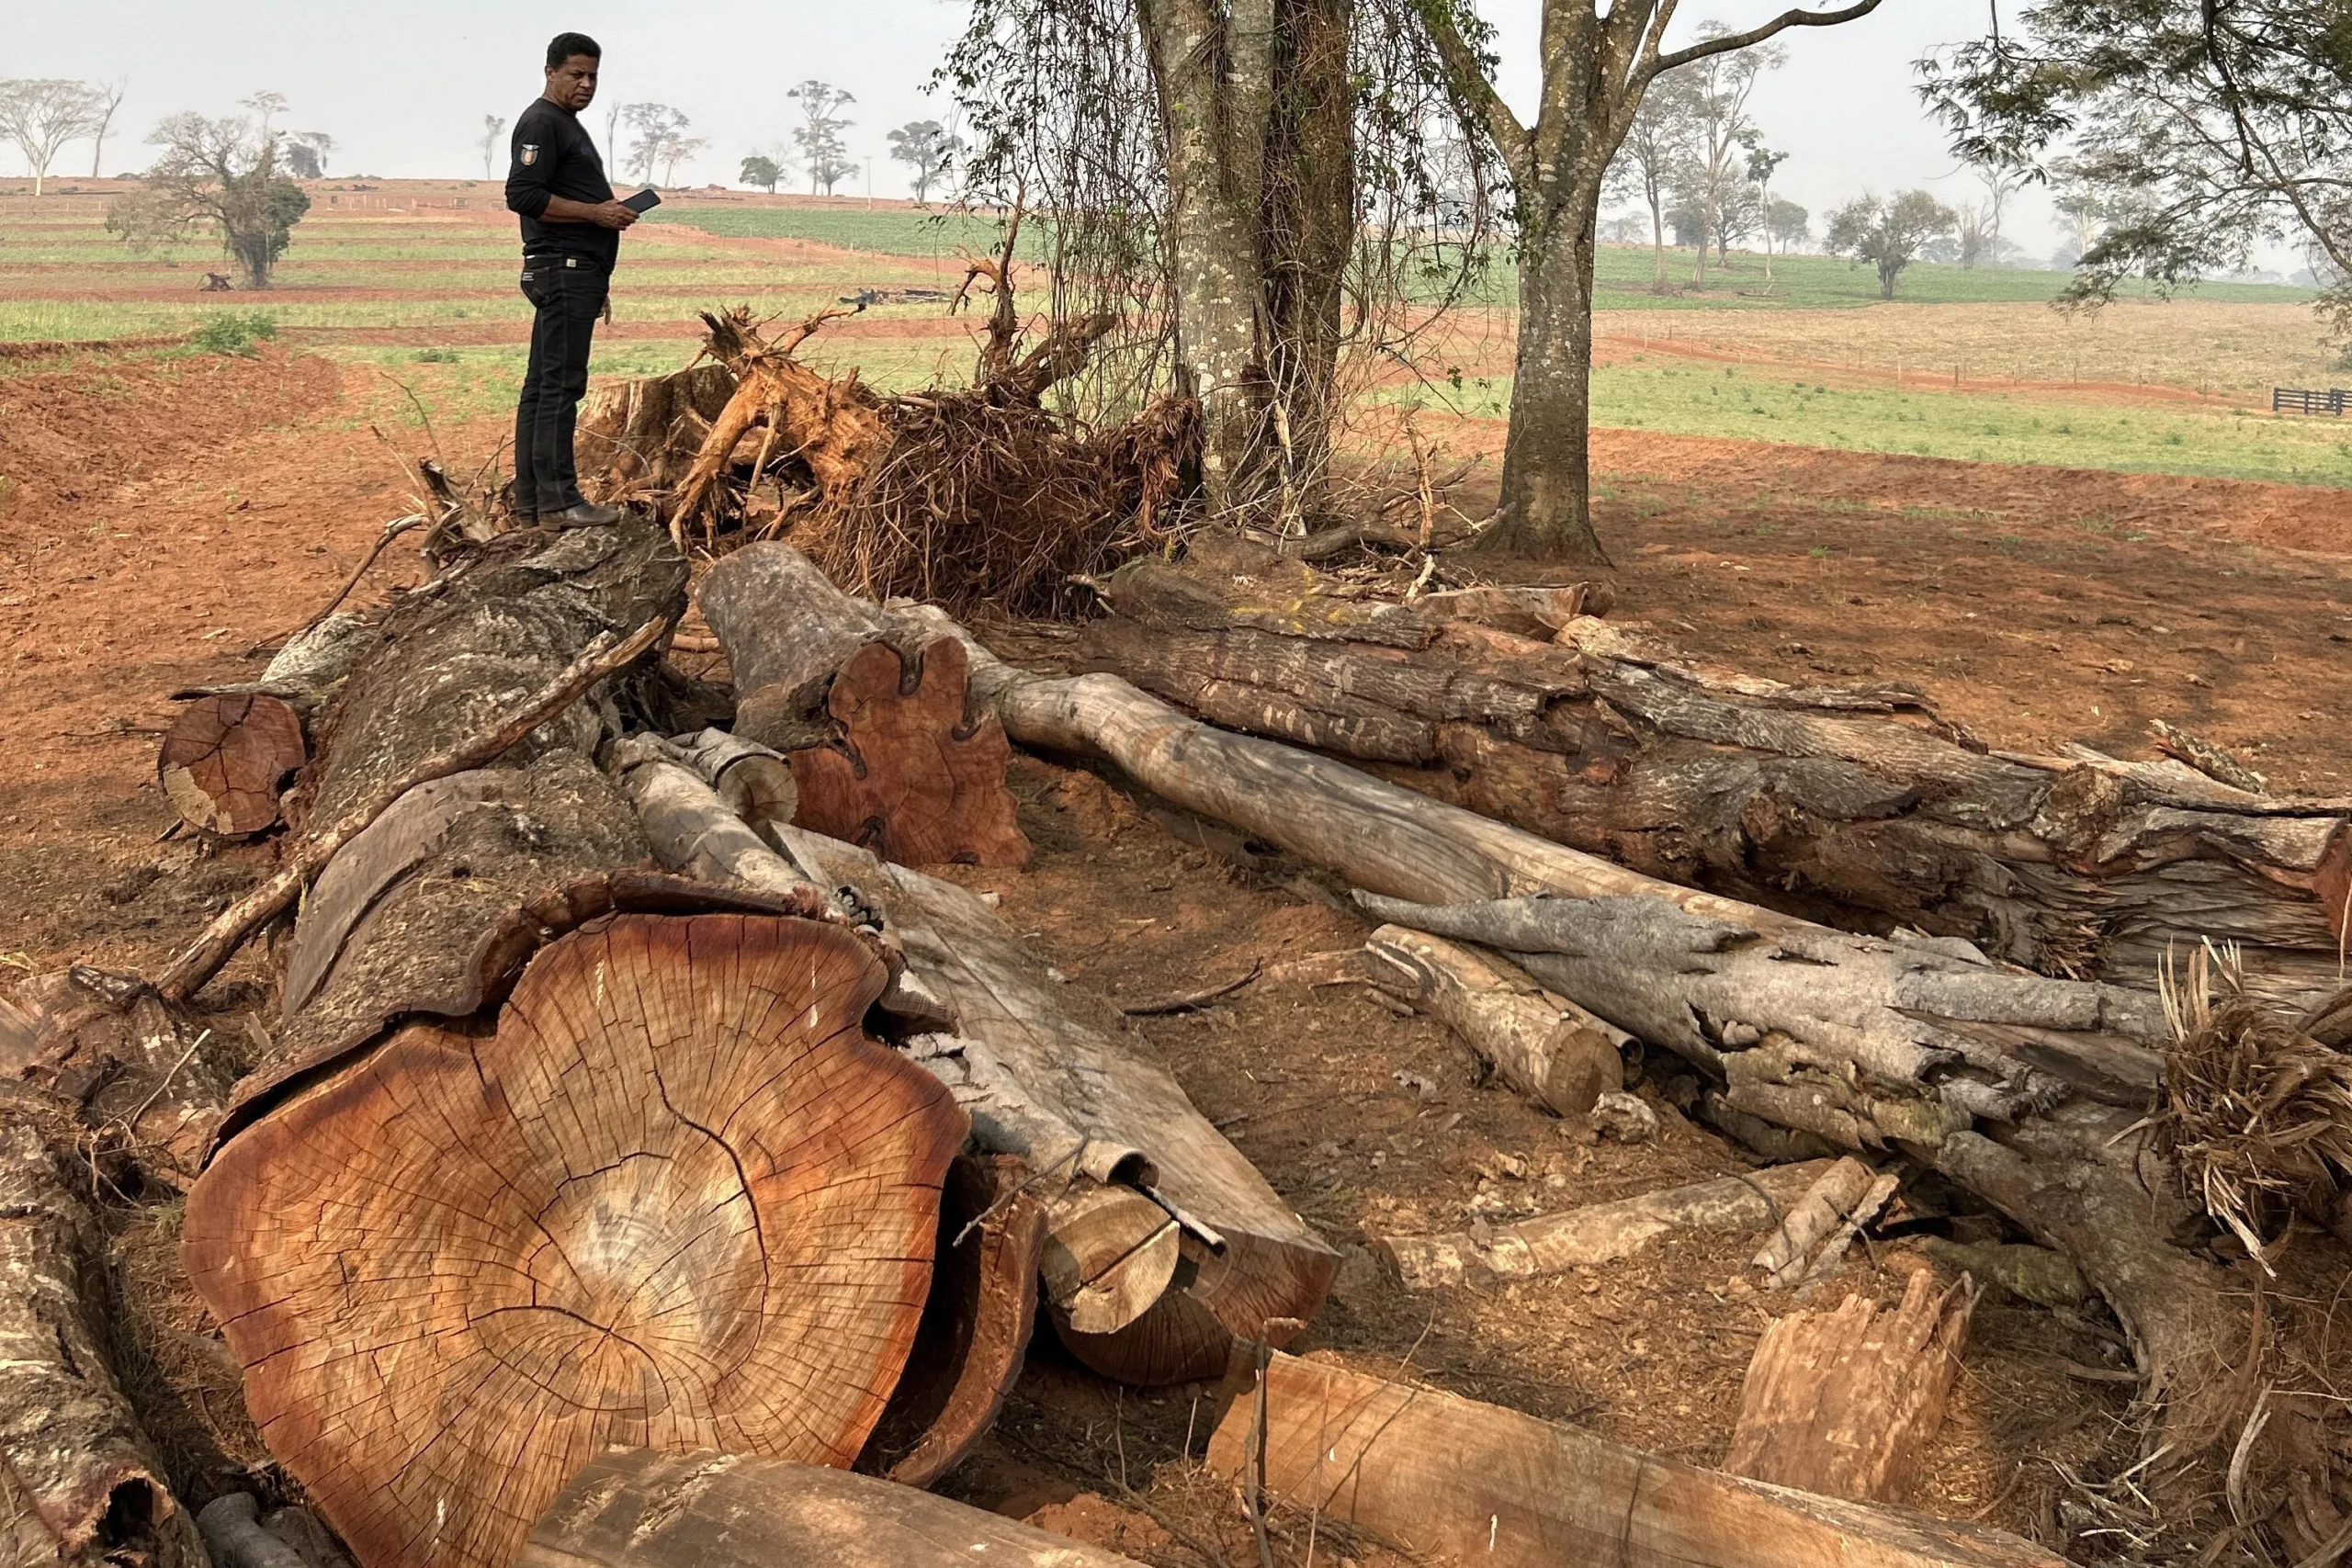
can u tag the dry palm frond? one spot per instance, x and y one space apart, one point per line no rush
2257 1114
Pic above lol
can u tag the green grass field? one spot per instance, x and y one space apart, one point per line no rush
1755 404
1622 276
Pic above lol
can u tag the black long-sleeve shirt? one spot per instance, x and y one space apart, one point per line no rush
552 155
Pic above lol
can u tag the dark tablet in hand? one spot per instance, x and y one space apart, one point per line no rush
643 201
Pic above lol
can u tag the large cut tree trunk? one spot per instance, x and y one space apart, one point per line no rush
1860 808
1218 1253
70 1446
588 1160
1988 1073
677 1199
1452 1479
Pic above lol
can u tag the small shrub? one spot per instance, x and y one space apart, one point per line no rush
435 356
226 332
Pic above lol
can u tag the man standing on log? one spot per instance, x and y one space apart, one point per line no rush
571 238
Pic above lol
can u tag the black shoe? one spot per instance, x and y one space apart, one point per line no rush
583 514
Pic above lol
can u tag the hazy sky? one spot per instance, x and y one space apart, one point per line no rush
403 88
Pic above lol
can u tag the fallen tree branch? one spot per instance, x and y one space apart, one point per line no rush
1459 1481
1191 1000
1599 1233
203 958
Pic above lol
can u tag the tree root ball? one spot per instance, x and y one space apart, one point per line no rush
676 1200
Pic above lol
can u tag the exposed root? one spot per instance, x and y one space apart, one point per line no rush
956 495
2256 1117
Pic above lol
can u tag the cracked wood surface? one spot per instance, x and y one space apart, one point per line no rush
641 1509
676 1198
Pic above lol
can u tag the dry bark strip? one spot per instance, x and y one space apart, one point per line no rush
1599 1233
68 1439
974 1334
1858 807
1542 1045
1817 1211
641 1509
884 749
1452 1479
143 1076
1846 1403
1863 1039
1051 1087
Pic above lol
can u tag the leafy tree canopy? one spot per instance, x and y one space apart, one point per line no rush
2211 124
221 174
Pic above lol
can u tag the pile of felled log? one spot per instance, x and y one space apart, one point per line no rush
1863 809
631 1091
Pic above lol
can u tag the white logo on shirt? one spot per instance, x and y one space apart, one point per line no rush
530 154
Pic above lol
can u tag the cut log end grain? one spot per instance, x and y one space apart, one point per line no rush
677 1200
227 757
1109 1253
909 777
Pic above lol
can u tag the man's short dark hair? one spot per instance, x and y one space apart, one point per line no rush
563 46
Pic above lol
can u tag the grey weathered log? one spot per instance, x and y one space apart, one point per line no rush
1544 1045
1040 1080
636 1508
1599 1232
2058 1171
69 1439
1858 1039
755 781
1859 806
787 630
231 1524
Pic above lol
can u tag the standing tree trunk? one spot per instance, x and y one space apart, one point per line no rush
1595 69
1547 507
1257 106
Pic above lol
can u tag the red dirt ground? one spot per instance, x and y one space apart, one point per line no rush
205 504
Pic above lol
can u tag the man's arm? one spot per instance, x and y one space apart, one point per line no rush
609 214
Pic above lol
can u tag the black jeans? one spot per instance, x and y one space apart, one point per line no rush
568 294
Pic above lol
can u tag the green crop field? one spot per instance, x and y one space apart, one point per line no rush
891 230
1755 404
419 284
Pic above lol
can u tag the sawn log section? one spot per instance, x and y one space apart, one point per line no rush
1857 807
